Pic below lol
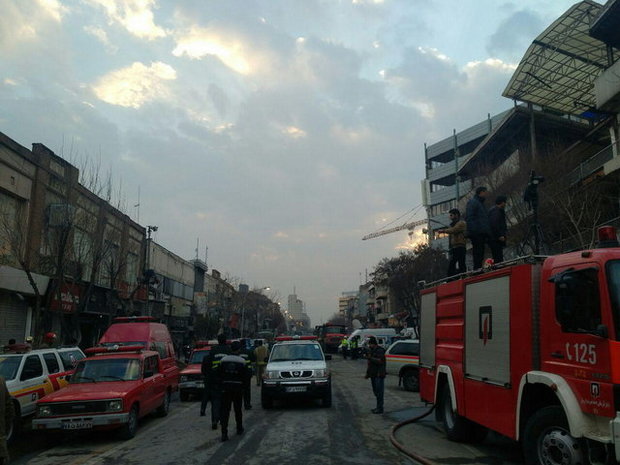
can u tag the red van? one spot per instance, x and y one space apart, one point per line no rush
145 331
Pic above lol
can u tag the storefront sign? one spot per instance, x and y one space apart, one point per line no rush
69 300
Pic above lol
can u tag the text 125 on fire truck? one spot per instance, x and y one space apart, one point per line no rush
530 350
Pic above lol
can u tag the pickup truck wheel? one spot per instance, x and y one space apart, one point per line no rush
184 396
164 408
547 439
265 401
411 380
456 427
130 428
326 401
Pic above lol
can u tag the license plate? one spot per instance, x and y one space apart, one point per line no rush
78 425
296 389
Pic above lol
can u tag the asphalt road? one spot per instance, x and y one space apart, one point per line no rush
290 433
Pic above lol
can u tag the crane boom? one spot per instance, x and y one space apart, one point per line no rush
409 226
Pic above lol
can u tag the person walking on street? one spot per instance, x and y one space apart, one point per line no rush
7 414
478 228
248 356
353 346
376 371
497 221
260 354
456 248
344 346
213 383
234 374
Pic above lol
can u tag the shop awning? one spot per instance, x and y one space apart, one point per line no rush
16 280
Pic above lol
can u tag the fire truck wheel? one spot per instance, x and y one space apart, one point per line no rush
411 380
456 427
130 428
547 440
164 408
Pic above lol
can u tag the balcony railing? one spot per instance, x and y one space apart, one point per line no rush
591 165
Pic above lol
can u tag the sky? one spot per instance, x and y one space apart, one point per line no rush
276 133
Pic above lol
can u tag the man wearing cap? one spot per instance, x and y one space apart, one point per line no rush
235 378
376 371
213 383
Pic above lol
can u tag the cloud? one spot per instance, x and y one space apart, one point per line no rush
136 16
135 85
514 35
102 37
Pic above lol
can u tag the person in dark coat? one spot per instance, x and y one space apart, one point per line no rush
478 228
213 383
249 357
457 243
376 371
7 415
234 375
497 221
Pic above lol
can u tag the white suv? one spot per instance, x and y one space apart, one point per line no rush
403 359
296 368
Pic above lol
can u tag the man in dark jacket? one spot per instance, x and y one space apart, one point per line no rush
248 356
235 378
7 415
497 221
376 371
478 228
456 248
213 383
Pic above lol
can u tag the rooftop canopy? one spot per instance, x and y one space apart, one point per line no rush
559 68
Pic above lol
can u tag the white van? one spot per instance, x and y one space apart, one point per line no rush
385 333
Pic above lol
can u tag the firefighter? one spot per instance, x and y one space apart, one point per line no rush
260 354
344 346
213 384
235 378
248 356
354 347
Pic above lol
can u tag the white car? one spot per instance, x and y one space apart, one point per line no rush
296 368
403 359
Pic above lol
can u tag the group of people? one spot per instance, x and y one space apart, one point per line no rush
350 347
227 376
481 227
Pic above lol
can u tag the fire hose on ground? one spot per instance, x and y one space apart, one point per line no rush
400 447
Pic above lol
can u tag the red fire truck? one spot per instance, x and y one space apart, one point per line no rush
530 349
330 336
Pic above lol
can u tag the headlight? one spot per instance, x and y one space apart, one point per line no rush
183 379
272 374
320 373
45 411
115 405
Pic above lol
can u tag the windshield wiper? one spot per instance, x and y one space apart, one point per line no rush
84 377
113 377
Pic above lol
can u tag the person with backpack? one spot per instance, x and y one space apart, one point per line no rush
235 378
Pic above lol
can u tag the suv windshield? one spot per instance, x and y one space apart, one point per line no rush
112 369
287 352
197 356
9 366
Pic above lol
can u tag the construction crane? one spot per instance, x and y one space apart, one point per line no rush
410 226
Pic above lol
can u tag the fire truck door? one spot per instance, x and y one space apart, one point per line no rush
573 340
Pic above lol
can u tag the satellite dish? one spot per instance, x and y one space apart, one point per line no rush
356 324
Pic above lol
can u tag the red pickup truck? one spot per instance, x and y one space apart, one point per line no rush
112 389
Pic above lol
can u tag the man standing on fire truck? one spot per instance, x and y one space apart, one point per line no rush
478 229
376 371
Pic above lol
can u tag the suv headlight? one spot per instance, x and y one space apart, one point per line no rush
115 405
272 374
183 379
44 411
322 373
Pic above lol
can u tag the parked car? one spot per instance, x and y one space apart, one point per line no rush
32 374
403 359
191 382
112 389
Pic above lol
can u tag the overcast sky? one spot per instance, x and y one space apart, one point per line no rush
278 132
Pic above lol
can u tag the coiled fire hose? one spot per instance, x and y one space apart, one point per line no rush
400 447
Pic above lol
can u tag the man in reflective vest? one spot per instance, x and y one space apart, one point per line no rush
235 377
344 346
213 383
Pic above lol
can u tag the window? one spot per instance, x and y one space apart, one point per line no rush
161 348
406 348
32 368
10 219
613 282
52 363
70 358
577 301
150 366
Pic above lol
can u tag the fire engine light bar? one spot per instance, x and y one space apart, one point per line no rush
114 348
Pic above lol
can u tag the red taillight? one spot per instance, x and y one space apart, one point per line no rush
607 237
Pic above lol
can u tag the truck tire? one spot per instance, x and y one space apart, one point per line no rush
15 426
456 427
265 401
164 408
547 440
130 428
411 381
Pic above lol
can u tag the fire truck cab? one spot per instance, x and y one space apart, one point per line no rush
530 349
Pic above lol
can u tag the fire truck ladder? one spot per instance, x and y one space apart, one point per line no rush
410 226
